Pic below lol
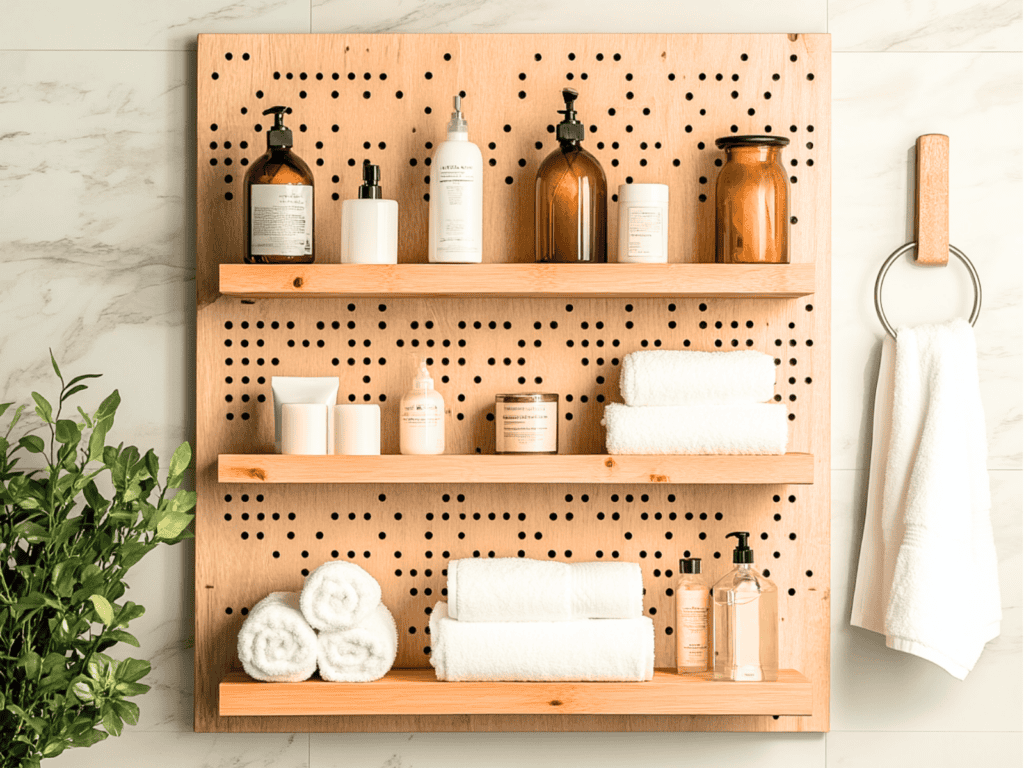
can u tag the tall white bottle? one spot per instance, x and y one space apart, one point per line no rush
421 417
457 197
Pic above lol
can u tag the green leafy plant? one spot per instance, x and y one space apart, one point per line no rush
65 549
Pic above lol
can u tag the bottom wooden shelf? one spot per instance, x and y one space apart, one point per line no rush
418 692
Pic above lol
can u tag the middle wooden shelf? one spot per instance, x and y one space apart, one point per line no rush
787 469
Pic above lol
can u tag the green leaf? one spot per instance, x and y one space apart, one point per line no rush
82 687
33 533
111 722
32 443
183 501
43 407
4 407
179 463
16 418
131 670
131 689
85 417
152 464
108 407
53 661
83 377
103 609
73 391
90 737
97 440
31 663
132 552
171 526
128 613
67 431
127 711
56 370
120 636
53 748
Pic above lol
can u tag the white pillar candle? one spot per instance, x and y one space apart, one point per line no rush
357 430
304 429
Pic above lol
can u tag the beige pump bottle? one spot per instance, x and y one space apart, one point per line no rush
421 417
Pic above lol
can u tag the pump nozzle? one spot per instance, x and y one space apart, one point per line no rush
370 188
278 136
422 379
742 553
458 122
570 129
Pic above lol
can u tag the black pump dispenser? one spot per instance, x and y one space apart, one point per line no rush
278 136
689 565
370 188
742 554
570 129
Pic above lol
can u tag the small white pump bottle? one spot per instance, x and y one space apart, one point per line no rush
369 225
421 417
457 197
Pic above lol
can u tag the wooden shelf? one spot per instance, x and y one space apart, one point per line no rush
788 469
321 281
418 692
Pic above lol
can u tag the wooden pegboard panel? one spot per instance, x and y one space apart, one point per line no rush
656 104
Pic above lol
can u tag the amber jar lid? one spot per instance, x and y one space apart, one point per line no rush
727 142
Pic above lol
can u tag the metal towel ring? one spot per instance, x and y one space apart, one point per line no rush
899 252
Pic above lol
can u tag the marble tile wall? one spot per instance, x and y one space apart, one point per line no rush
96 236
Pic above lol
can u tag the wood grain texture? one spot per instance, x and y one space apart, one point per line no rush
254 539
418 692
791 468
320 281
931 218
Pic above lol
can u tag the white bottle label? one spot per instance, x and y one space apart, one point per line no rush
645 227
692 626
455 191
281 217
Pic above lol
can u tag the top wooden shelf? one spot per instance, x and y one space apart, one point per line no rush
322 281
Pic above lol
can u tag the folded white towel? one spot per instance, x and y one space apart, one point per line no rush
275 644
517 589
360 654
928 514
590 650
339 595
738 428
678 377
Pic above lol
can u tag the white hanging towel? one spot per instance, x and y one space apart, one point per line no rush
927 577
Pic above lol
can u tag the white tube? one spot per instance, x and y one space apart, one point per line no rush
303 389
357 429
304 429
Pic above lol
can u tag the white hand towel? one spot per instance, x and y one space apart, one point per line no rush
678 377
738 428
275 644
339 595
590 650
927 577
361 654
517 589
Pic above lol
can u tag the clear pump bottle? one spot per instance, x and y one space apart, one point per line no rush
746 620
692 603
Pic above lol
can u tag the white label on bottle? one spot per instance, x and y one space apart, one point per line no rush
692 628
645 227
526 427
281 217
455 192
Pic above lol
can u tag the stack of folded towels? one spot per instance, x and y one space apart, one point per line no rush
679 402
514 619
337 623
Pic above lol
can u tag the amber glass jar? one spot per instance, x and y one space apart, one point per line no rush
752 202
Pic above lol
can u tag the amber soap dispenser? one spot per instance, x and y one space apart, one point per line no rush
572 204
279 201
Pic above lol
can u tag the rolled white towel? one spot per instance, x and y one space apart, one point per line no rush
517 589
599 650
739 428
678 377
338 595
360 654
275 643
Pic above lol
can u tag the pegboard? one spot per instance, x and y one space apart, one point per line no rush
653 105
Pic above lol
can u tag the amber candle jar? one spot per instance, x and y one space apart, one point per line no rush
752 202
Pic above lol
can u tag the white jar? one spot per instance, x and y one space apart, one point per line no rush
357 429
526 423
643 223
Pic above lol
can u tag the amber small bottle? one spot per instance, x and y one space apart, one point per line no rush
279 202
572 204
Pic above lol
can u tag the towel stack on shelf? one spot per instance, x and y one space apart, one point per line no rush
337 623
679 402
512 619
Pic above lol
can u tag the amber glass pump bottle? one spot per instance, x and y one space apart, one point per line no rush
279 201
572 204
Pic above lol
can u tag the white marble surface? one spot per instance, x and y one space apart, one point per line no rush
916 25
560 16
151 25
881 104
95 241
878 689
566 750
